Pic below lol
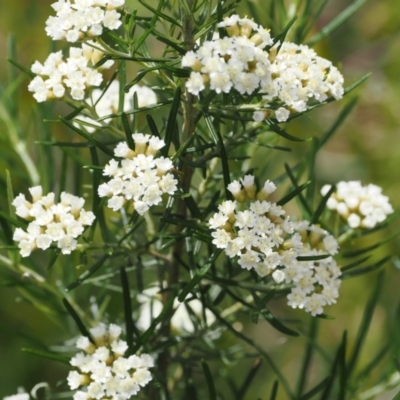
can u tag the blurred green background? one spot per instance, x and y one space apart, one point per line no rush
367 148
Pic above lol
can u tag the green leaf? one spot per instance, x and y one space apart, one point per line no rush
46 354
122 83
53 258
325 316
63 144
365 323
160 14
358 252
173 43
21 67
274 391
77 320
301 198
128 131
97 203
277 129
338 122
313 258
339 358
310 193
89 138
152 126
321 206
10 195
130 327
199 275
171 123
241 392
94 268
364 270
336 22
281 36
74 113
209 380
278 325
316 389
354 264
304 369
292 194
357 83
217 139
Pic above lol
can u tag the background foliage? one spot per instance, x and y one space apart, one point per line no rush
365 148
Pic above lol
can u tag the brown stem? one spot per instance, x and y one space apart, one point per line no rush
188 127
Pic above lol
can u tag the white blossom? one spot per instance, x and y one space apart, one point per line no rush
360 206
287 80
104 371
261 238
140 178
57 77
77 20
49 222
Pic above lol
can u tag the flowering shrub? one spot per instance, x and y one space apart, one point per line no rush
180 254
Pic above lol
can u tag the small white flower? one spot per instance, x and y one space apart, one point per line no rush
278 276
282 114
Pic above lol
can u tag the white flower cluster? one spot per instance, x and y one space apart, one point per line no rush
298 74
140 178
50 222
237 61
103 371
317 282
360 206
152 306
74 75
21 395
80 19
107 103
267 241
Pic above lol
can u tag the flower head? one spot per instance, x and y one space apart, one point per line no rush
56 77
261 238
140 178
360 206
104 371
247 60
76 20
50 222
